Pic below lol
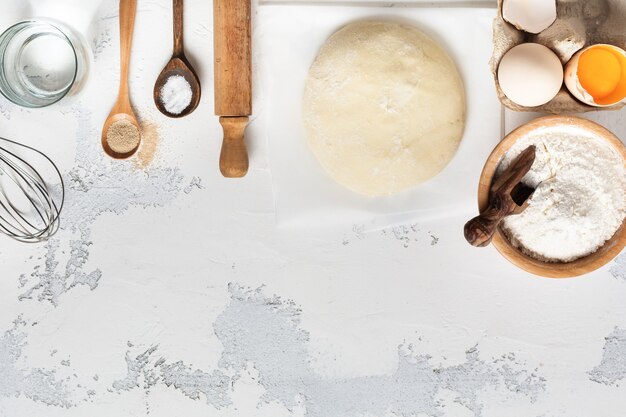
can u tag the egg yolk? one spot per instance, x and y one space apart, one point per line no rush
602 73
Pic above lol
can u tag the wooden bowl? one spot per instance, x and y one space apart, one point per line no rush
581 266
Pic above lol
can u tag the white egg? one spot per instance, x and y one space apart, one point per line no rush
530 74
531 16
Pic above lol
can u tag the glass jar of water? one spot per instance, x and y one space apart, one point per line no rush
41 62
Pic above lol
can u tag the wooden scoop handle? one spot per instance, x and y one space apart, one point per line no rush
234 158
480 230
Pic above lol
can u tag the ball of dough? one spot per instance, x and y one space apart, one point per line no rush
384 107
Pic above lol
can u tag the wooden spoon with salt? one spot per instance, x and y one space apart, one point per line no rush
178 66
122 119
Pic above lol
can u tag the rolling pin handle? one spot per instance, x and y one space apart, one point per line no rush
234 161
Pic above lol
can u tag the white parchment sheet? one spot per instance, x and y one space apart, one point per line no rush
289 38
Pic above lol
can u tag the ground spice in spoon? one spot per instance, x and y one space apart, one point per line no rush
123 137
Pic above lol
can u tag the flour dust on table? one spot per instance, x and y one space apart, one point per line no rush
282 366
95 186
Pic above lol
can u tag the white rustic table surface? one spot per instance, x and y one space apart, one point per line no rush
171 291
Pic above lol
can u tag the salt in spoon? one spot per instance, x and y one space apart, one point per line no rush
178 65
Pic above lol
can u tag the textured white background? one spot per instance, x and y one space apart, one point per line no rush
159 296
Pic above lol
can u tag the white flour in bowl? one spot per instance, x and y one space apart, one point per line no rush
580 197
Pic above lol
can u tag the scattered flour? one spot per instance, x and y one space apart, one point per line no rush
619 268
263 342
612 368
40 385
580 197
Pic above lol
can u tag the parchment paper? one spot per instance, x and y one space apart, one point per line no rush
305 196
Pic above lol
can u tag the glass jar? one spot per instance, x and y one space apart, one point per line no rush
42 62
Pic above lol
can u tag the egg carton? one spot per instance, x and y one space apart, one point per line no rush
579 23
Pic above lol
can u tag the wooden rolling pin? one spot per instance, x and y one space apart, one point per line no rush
233 81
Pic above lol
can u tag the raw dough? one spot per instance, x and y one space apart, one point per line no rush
384 107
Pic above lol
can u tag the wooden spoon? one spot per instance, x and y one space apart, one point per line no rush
508 197
178 65
122 110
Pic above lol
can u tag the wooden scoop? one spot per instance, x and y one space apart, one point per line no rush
122 108
508 197
233 81
178 65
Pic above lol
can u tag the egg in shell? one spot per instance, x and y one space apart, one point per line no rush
530 74
596 75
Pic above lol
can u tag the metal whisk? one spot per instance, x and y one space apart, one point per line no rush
29 211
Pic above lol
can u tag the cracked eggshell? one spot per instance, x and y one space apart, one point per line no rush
532 16
578 23
573 83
